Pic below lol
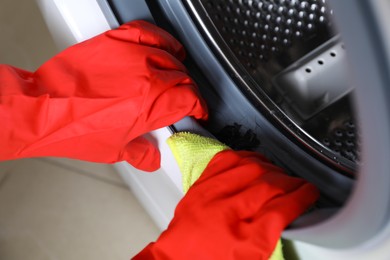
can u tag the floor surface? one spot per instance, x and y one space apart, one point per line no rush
63 209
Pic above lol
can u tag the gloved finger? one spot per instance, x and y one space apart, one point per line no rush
15 81
101 67
231 172
281 211
247 201
145 33
162 62
293 203
141 154
266 189
178 102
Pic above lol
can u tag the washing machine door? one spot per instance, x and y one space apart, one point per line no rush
363 223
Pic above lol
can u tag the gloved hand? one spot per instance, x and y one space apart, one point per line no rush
237 209
94 100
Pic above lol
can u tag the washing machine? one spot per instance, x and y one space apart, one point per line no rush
305 82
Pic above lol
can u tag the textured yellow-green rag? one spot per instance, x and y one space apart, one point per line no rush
193 153
277 254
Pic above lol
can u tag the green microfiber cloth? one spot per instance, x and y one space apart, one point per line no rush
192 153
277 254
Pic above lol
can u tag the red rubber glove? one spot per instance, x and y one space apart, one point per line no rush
237 209
94 100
